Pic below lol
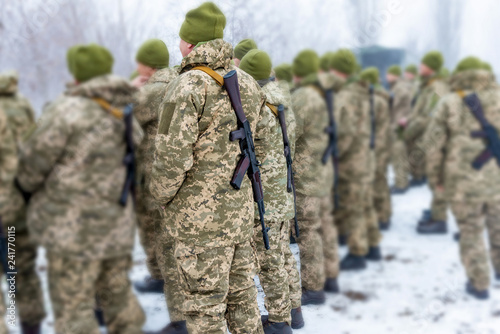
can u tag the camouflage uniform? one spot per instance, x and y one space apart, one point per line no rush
212 223
29 296
473 194
73 165
8 168
356 169
381 192
313 180
401 108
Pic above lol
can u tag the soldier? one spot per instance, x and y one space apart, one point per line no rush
242 49
411 76
313 180
356 166
471 176
432 88
283 73
8 168
212 222
382 133
73 165
279 203
29 296
401 91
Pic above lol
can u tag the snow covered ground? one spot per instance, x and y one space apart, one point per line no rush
418 288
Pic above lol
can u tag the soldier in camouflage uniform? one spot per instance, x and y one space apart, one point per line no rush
432 88
472 191
29 296
283 73
411 76
401 91
73 165
242 49
212 223
279 203
356 166
313 180
8 168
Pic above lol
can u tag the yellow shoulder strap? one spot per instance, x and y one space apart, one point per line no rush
217 77
319 90
461 93
108 107
273 108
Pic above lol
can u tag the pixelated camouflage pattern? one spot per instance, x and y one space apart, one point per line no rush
8 168
74 286
402 91
194 159
73 163
329 238
331 81
291 267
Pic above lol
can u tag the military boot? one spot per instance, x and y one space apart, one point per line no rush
276 327
479 294
150 285
178 327
31 329
99 316
398 191
331 285
433 227
426 217
353 262
310 297
374 254
456 236
342 240
297 318
497 276
384 226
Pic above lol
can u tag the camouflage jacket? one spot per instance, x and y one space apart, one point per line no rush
194 158
269 146
147 105
431 90
332 81
73 163
8 168
352 114
382 128
312 178
450 132
401 91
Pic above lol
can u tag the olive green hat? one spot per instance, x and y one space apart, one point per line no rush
257 63
326 60
411 69
243 47
344 61
444 72
394 70
370 74
305 63
153 53
70 56
434 60
203 24
284 72
90 61
487 66
469 63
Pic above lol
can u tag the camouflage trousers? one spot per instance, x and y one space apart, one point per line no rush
416 160
75 284
329 237
400 163
168 266
272 273
218 287
294 285
471 218
439 205
382 195
149 219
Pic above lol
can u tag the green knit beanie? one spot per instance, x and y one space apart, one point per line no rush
70 57
153 53
411 69
344 61
243 47
257 63
305 63
469 63
326 60
434 60
203 24
284 72
394 70
370 74
90 61
444 72
487 67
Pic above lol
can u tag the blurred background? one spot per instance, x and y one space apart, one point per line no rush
35 34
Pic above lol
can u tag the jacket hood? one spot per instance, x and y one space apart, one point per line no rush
331 81
475 80
8 82
113 89
214 54
275 94
163 75
379 90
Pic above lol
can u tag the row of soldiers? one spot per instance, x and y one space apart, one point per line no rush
202 235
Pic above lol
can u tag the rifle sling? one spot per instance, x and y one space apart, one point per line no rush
216 76
117 113
273 108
